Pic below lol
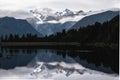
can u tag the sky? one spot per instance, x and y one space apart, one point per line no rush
20 8
59 4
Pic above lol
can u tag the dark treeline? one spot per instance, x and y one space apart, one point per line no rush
16 38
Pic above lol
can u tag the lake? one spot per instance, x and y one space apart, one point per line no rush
37 61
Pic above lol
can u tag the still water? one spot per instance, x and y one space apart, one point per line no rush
11 58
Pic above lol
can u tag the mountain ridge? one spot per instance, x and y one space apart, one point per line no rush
91 19
10 25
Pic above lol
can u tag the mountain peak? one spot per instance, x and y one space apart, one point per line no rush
68 10
47 14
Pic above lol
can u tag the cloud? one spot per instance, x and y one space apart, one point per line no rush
58 4
19 14
20 8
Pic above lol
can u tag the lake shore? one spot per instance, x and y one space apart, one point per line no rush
39 43
60 45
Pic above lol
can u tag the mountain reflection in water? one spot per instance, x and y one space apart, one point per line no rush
20 57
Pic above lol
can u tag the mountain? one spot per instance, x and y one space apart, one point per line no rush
91 19
46 14
9 25
48 21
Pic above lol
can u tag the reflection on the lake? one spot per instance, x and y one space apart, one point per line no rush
17 57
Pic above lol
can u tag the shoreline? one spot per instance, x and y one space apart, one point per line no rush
39 44
59 45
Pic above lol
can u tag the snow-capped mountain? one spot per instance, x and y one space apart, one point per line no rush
46 14
48 21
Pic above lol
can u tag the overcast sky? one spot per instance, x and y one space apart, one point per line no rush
59 4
